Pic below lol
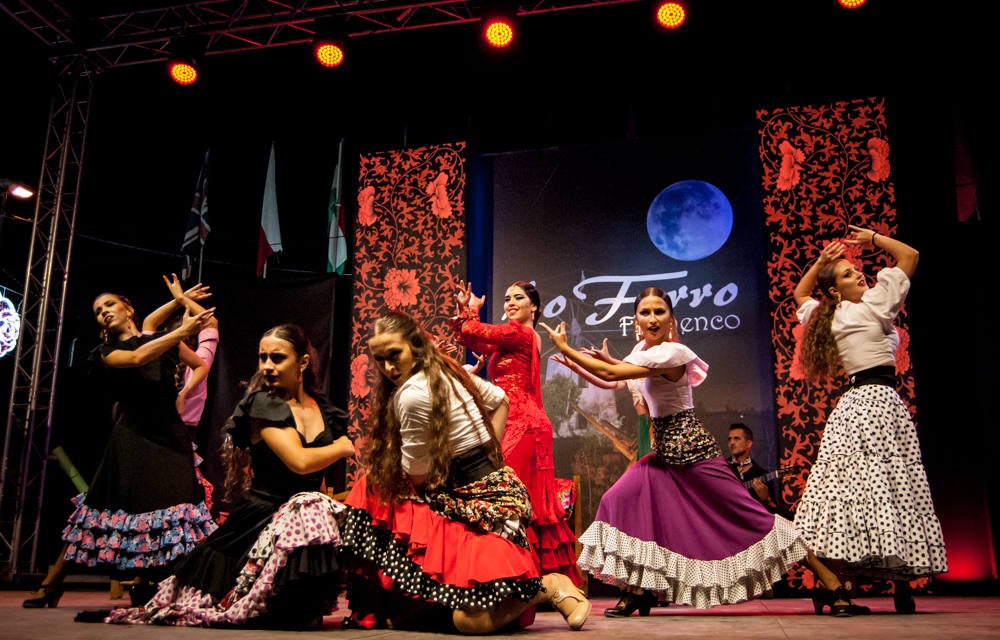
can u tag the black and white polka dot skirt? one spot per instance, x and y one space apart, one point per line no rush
867 501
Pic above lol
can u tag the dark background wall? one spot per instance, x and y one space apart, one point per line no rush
598 74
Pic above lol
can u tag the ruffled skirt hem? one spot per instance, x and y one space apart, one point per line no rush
426 556
292 576
616 558
134 541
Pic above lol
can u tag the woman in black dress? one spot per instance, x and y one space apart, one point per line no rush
145 506
273 562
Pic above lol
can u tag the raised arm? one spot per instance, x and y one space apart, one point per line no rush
605 371
199 371
146 353
906 257
807 283
181 300
586 375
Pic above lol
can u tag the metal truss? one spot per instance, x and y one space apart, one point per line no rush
84 38
138 36
29 417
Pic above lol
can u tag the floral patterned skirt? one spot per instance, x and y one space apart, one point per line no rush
290 575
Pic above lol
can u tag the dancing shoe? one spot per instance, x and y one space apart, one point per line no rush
49 597
570 601
903 600
826 598
141 592
629 603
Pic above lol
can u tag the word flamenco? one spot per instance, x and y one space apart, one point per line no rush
692 297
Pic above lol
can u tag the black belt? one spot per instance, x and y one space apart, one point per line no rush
471 466
884 375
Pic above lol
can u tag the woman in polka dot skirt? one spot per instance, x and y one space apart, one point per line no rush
436 530
273 561
867 505
679 526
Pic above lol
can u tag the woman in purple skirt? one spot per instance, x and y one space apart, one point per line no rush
678 526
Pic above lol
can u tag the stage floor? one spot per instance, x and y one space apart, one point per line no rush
937 618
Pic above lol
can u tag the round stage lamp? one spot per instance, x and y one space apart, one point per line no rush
498 31
329 53
183 71
670 15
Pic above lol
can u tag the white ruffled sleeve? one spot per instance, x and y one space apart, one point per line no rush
670 354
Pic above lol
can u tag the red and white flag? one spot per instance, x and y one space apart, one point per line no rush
269 238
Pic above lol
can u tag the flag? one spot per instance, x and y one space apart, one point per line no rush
269 238
336 253
196 230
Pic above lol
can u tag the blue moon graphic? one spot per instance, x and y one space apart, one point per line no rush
689 220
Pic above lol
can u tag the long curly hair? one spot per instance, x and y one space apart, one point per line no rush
235 453
819 356
382 456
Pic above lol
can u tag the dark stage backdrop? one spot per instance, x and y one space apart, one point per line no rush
593 226
244 314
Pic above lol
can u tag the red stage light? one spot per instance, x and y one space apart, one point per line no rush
329 53
183 72
670 15
498 31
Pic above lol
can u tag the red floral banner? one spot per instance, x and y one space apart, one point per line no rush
409 250
823 167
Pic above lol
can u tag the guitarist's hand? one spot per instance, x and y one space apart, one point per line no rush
763 494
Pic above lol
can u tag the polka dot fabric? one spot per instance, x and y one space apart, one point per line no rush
867 500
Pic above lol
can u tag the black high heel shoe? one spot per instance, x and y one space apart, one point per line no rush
903 600
629 603
825 598
49 598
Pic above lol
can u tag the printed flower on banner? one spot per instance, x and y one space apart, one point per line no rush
359 376
401 288
438 191
366 206
795 370
878 152
788 176
903 350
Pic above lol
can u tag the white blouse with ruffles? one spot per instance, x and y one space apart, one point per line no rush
664 397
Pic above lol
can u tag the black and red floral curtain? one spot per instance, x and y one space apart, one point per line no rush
409 250
823 167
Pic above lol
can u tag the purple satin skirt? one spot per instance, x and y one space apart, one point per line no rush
691 533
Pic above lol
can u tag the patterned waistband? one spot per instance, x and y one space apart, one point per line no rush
681 438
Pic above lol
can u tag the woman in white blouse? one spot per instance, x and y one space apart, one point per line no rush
866 507
437 529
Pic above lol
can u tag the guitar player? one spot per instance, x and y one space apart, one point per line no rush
762 483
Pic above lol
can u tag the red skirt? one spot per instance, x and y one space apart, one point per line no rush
413 550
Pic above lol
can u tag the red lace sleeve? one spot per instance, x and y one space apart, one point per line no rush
481 337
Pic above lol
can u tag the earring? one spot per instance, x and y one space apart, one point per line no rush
638 332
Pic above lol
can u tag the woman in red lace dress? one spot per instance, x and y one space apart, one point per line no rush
514 365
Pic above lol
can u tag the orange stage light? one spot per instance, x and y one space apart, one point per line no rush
670 15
